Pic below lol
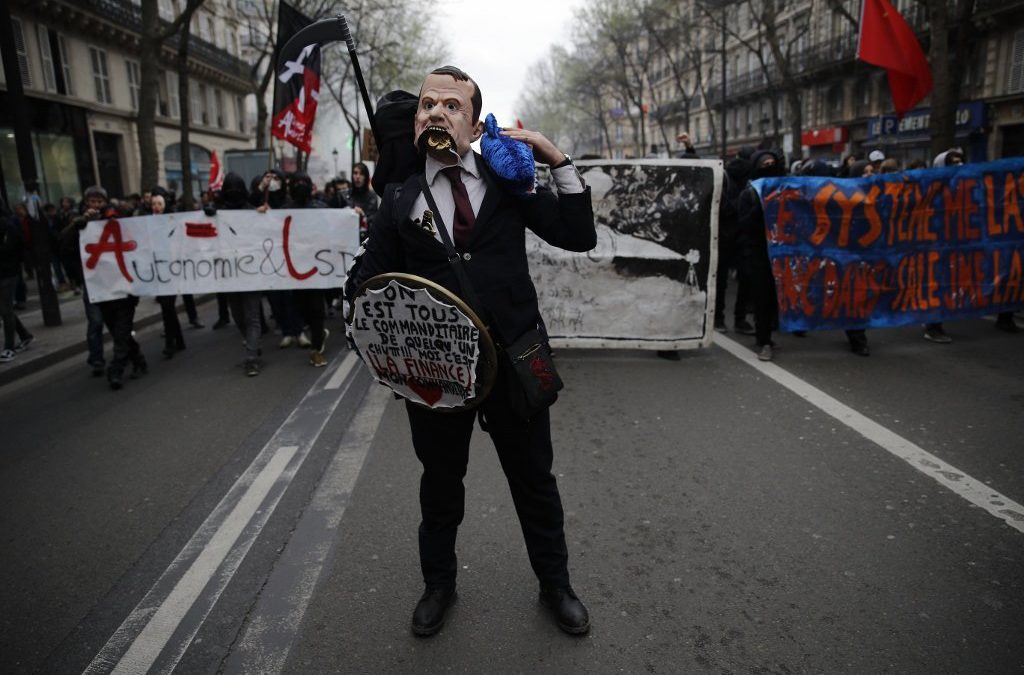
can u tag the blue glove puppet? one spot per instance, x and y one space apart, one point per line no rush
510 160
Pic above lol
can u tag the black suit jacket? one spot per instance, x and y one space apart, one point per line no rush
497 265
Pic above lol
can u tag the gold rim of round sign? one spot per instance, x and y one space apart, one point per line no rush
487 365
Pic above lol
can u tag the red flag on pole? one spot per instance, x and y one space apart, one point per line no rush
887 40
216 175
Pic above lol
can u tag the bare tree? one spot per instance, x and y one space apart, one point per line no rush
388 62
773 44
952 35
154 33
187 199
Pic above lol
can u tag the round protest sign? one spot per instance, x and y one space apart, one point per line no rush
423 342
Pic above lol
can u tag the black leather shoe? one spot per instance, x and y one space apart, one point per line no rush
428 616
570 614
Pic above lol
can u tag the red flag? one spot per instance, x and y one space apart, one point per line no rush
887 40
216 175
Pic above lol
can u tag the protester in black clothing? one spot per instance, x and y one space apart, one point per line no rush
362 198
11 248
737 174
271 189
118 314
309 302
754 251
245 305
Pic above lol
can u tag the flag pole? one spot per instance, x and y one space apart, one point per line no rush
346 35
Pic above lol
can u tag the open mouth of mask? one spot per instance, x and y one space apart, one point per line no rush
436 140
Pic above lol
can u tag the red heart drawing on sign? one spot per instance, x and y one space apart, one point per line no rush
430 393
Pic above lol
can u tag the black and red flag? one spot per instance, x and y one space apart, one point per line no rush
296 85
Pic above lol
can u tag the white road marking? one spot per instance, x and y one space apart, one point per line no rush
275 621
195 580
949 476
342 371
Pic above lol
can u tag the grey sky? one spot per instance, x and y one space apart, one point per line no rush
495 43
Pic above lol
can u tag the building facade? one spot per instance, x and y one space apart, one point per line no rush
79 65
845 103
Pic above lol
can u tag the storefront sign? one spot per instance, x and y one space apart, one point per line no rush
969 116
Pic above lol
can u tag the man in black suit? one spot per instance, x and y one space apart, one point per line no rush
488 226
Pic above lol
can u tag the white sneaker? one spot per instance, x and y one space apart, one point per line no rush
286 342
304 341
6 355
24 344
323 345
765 353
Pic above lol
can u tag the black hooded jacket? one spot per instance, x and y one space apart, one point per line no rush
749 212
233 194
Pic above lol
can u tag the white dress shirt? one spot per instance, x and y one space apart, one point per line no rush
567 181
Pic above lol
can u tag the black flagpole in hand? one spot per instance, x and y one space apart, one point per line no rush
323 32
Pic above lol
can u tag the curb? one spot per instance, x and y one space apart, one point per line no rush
10 374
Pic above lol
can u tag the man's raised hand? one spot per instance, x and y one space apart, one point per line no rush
544 151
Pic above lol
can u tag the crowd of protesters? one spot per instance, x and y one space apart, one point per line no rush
298 316
743 246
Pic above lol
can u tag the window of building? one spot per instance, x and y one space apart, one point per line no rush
835 100
100 75
49 70
240 114
218 99
206 28
195 101
1016 83
173 100
168 10
209 108
134 82
65 66
19 47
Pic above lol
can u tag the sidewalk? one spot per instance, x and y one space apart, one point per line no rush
56 343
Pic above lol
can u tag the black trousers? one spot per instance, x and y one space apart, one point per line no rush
441 441
729 256
119 318
311 307
173 337
762 289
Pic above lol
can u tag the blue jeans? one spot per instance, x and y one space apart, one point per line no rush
94 330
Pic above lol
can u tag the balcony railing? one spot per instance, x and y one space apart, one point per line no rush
128 16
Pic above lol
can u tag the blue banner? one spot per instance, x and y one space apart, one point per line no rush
912 247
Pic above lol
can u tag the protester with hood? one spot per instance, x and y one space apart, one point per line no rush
737 175
10 270
308 304
245 305
270 190
754 246
951 157
362 198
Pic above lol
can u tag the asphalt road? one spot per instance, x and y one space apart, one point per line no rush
717 520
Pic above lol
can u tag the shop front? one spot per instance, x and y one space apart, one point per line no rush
909 138
827 143
60 143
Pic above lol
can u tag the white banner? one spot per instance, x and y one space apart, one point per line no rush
191 252
650 282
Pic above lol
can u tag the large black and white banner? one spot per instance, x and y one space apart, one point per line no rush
649 283
191 252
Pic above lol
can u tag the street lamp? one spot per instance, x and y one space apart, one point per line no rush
335 153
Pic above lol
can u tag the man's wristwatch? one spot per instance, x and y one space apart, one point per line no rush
565 162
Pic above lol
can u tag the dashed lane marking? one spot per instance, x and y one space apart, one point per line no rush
948 476
179 602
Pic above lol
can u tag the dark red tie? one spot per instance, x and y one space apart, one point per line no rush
462 227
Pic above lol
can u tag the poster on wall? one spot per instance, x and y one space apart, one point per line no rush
650 281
